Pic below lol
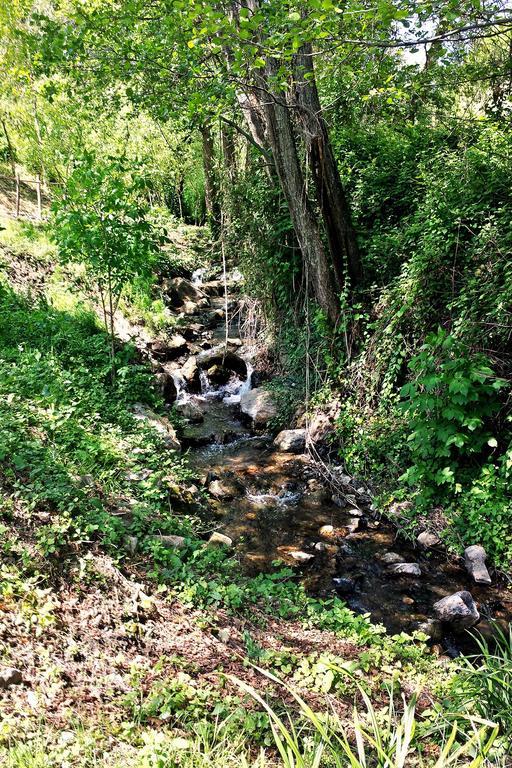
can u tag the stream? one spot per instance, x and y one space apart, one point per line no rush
274 504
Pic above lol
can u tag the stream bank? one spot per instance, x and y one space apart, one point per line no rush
268 496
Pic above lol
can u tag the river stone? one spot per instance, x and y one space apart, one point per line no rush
191 412
405 569
224 489
432 628
176 346
171 541
259 405
219 539
344 586
167 387
390 558
301 557
225 359
458 610
427 539
291 440
326 530
181 290
10 676
160 424
475 557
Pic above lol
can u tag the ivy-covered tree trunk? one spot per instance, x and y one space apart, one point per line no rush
211 186
329 189
280 135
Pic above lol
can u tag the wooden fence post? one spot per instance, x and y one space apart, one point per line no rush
39 205
17 195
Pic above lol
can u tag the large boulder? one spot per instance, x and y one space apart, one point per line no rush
458 610
181 290
291 440
258 405
190 373
475 557
224 359
190 412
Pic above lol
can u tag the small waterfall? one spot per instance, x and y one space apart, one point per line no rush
198 275
182 396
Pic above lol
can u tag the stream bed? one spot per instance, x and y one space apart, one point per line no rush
274 504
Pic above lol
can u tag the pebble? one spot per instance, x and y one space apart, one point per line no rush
326 530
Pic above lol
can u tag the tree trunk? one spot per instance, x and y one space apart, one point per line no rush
281 138
211 186
331 196
12 156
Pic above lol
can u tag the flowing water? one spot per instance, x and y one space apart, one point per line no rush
277 508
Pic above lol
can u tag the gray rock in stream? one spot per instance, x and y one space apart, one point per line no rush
475 558
190 412
259 405
291 440
405 569
390 558
458 610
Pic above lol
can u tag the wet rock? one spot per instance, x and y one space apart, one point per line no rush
215 318
167 387
160 424
405 569
190 412
432 628
224 489
344 586
192 331
390 558
459 610
406 600
218 374
475 558
259 405
427 539
320 546
301 557
338 500
226 359
219 539
213 288
190 373
291 440
171 541
327 531
10 676
181 290
176 346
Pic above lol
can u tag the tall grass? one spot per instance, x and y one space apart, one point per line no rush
483 685
372 739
